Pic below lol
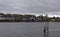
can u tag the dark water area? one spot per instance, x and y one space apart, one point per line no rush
28 29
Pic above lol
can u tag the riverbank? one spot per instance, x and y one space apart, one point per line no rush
27 18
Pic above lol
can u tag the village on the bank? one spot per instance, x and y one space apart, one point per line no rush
26 18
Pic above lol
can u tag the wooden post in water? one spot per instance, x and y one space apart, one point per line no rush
46 27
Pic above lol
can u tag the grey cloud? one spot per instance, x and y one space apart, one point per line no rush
31 6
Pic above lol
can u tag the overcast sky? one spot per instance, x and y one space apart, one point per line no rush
30 6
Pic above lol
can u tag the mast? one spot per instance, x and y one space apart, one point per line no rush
46 27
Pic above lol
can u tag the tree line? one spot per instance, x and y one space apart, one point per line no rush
27 18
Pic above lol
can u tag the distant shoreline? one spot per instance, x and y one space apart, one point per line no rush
27 18
7 21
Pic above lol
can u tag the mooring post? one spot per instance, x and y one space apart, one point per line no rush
46 29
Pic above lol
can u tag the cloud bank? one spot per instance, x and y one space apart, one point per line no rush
30 6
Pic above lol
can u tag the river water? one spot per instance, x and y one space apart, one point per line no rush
28 29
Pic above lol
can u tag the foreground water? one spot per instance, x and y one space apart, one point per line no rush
28 29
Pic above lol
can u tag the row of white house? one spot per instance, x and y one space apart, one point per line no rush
25 17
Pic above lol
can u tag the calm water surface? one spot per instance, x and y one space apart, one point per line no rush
28 29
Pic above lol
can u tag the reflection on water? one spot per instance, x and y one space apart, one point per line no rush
24 29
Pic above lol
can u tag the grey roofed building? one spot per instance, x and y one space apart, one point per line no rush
29 17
